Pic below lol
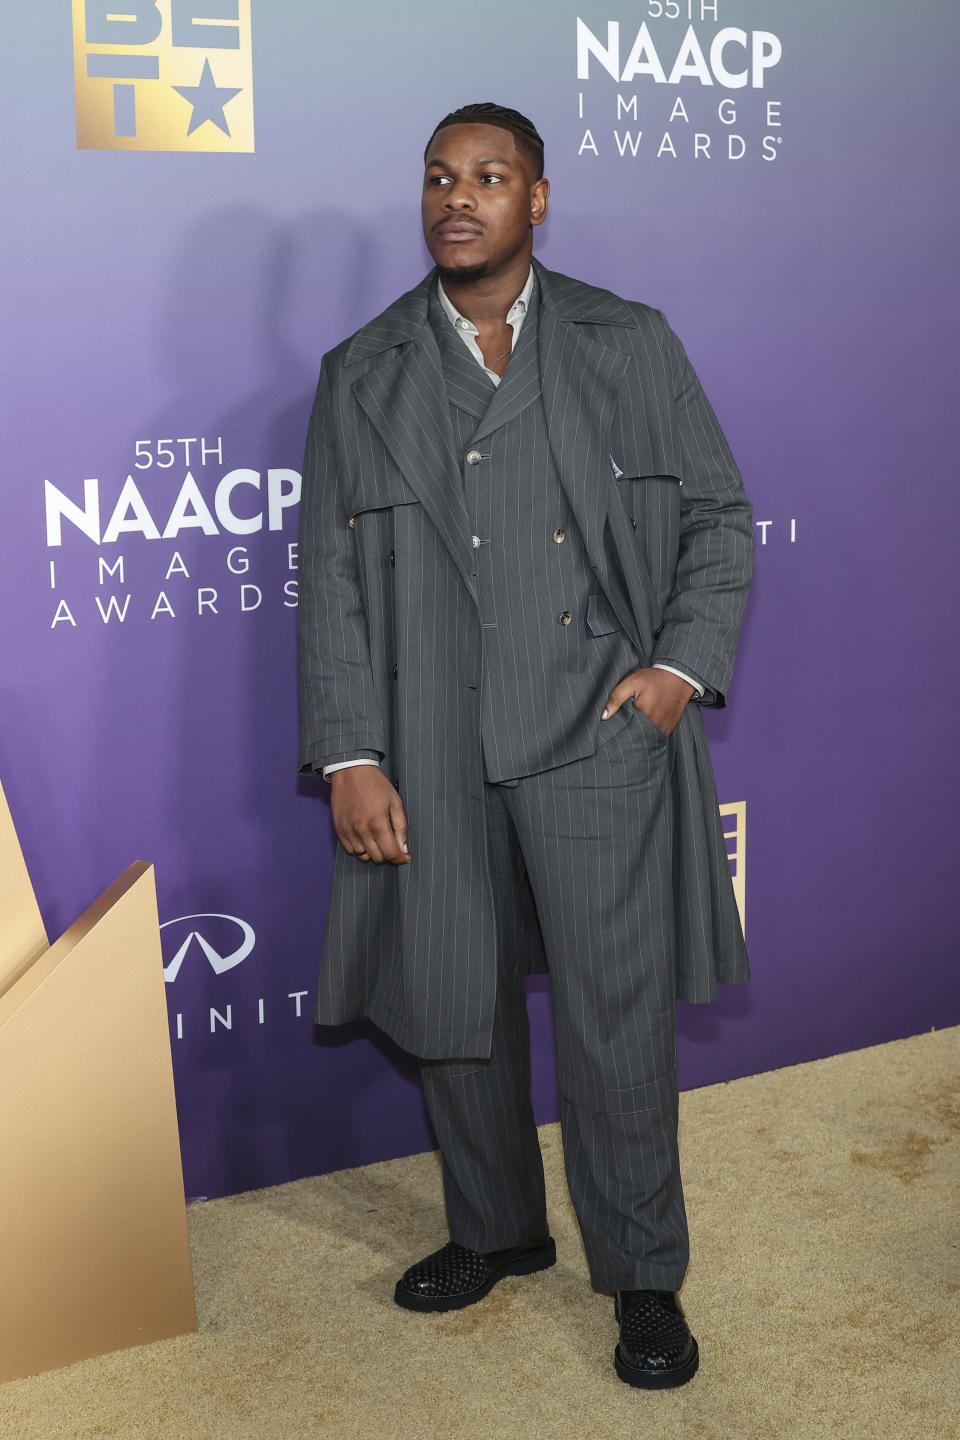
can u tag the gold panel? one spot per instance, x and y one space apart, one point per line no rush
734 817
93 1236
22 936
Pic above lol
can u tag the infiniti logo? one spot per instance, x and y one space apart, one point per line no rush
220 956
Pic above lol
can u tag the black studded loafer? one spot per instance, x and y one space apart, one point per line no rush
656 1349
455 1276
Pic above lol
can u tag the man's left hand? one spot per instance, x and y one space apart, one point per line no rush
661 695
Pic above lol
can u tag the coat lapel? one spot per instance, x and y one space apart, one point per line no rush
400 396
468 387
520 385
581 380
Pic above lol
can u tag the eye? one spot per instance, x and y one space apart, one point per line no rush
437 180
495 179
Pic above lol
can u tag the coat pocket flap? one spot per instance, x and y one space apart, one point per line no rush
380 492
650 475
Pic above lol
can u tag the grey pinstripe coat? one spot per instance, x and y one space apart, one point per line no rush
390 639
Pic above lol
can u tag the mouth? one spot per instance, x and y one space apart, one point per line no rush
457 232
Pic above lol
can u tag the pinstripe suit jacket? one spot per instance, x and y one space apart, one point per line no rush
390 640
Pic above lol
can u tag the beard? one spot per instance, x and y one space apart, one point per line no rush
463 275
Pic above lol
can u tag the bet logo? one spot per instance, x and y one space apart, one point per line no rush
169 75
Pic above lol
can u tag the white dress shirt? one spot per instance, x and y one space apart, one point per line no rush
468 333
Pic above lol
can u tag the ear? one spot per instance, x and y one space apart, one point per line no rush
539 195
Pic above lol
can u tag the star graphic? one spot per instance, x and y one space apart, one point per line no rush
208 100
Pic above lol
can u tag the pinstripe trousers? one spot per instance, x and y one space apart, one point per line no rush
591 842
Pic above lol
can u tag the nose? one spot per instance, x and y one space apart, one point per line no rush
457 197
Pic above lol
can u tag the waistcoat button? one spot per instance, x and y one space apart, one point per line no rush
559 536
565 617
474 457
352 523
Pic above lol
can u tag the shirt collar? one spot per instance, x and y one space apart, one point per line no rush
516 312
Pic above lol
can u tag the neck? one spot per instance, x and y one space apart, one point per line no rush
488 297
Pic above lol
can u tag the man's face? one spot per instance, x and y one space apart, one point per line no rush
480 199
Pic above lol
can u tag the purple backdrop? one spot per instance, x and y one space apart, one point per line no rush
165 314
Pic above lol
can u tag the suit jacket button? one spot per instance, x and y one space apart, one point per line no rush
352 523
559 536
474 457
565 617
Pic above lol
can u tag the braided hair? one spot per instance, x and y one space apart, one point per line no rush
524 132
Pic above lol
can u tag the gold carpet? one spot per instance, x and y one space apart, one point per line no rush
824 1290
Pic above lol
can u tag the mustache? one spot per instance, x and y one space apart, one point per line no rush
446 220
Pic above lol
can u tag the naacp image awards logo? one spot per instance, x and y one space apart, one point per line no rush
170 75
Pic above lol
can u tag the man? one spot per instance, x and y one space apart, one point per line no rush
525 551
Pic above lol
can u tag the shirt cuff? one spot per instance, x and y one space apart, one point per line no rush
673 671
346 765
